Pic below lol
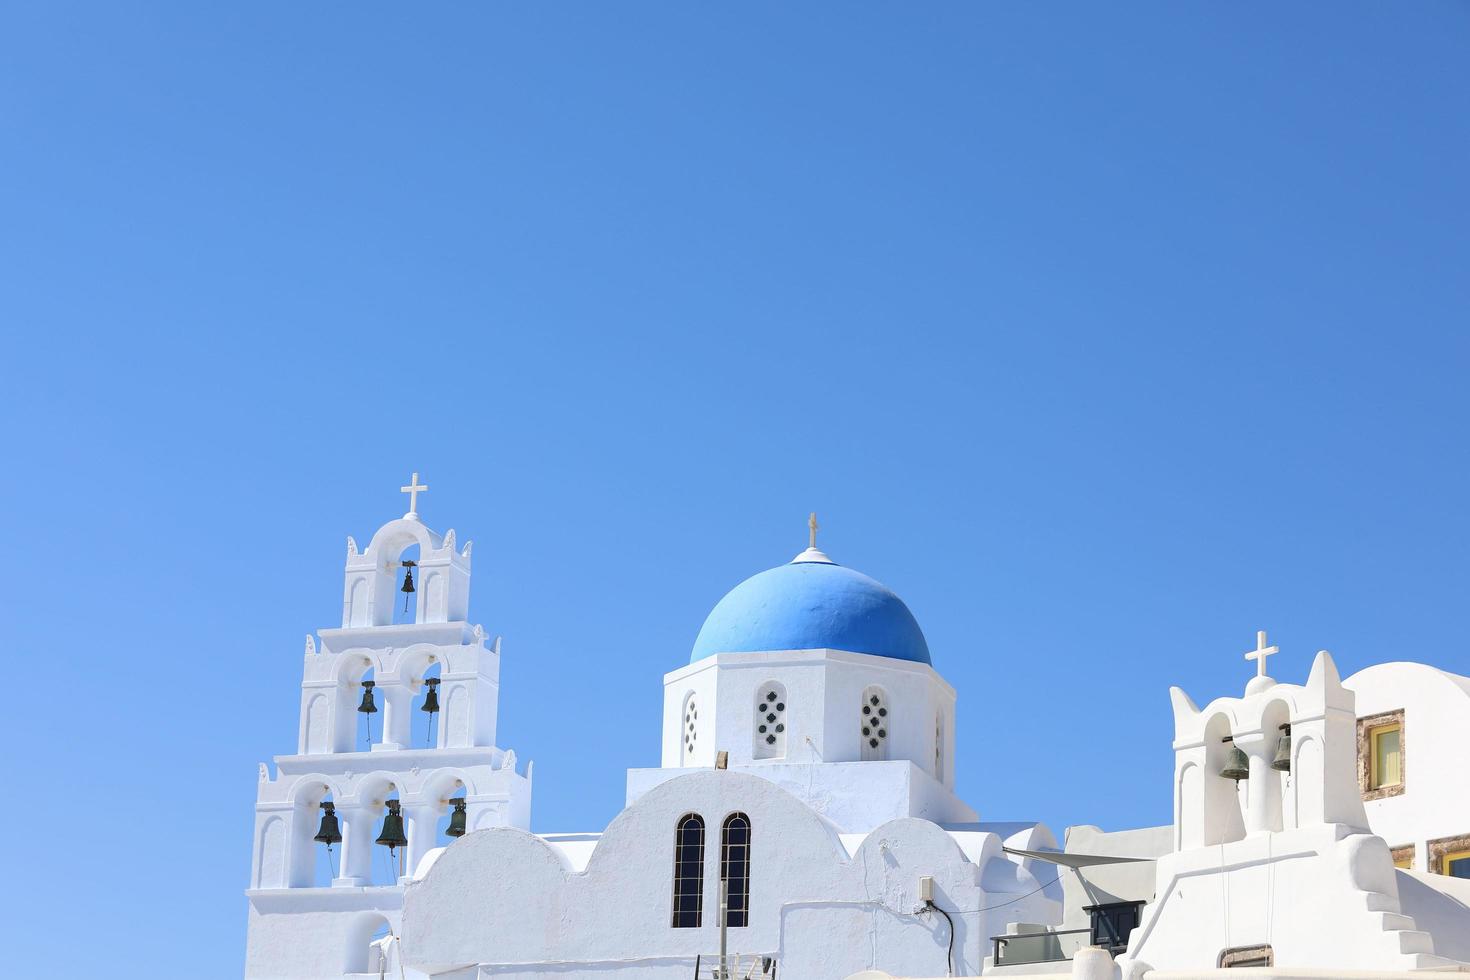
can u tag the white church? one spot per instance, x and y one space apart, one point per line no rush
802 820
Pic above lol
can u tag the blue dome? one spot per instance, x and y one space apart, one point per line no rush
812 604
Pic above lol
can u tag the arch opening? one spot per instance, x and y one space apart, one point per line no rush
368 939
405 570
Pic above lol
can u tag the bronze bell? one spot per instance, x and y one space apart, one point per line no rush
456 826
330 831
1237 766
1282 762
431 699
367 707
407 588
392 835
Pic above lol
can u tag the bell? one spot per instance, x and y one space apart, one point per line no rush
330 831
392 835
367 707
431 699
407 588
456 826
1282 762
1237 766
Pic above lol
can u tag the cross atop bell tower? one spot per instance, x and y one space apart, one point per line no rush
1259 654
413 490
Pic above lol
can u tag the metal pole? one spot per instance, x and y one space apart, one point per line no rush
724 919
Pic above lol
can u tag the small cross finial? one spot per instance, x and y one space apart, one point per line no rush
1260 653
812 525
413 490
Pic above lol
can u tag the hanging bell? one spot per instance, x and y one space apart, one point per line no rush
392 835
456 826
1282 762
1237 766
431 699
407 588
330 831
367 707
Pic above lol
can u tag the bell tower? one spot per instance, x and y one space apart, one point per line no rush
395 756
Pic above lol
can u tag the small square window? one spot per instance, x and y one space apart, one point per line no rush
1456 864
1382 755
1403 857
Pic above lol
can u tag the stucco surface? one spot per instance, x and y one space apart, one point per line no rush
469 910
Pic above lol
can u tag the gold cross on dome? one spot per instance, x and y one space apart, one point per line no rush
413 490
1260 653
812 525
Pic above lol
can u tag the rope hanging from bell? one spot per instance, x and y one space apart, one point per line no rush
408 566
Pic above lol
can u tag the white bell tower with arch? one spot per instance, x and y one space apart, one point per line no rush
424 762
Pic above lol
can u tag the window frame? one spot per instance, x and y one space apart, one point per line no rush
1247 956
735 870
680 914
1402 856
769 722
1370 729
873 714
1376 735
1107 913
1443 850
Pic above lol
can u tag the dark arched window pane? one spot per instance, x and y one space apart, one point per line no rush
735 867
688 871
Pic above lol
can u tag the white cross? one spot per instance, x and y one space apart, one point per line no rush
812 525
413 490
1260 653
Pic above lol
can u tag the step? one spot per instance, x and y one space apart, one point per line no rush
1380 902
1393 921
1431 961
1413 941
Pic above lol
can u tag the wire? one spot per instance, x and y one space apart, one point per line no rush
1014 900
949 953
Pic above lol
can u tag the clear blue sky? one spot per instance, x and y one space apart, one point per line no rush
1104 334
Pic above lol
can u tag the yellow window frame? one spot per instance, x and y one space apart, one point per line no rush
1374 734
1451 857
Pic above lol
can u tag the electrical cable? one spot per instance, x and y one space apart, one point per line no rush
949 953
1014 900
949 956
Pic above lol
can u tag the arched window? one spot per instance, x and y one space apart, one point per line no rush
689 731
735 868
939 745
770 721
875 724
688 871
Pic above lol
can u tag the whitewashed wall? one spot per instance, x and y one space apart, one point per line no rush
1436 735
506 897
